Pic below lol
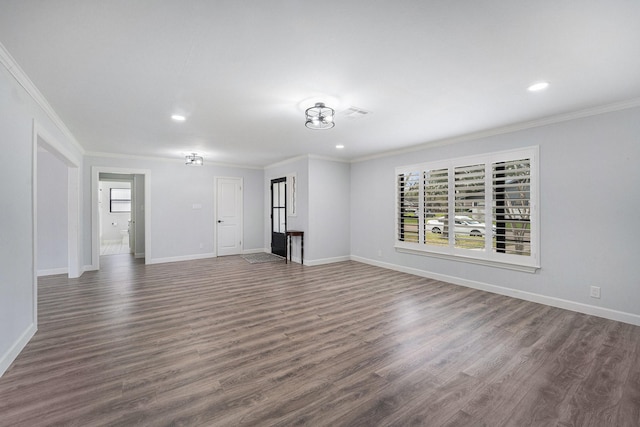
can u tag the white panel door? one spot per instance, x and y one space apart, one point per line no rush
229 216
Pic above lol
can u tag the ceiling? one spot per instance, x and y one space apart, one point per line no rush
243 72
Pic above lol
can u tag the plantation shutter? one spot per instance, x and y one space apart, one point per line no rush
436 203
469 204
512 206
408 202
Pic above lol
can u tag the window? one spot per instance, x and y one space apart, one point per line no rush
119 200
489 201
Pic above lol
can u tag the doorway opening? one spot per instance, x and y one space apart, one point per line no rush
120 213
117 233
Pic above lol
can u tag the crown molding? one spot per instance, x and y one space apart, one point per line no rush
23 80
545 121
328 158
305 156
286 161
100 154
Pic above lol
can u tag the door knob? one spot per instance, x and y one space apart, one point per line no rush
219 221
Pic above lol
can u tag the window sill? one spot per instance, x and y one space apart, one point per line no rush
460 258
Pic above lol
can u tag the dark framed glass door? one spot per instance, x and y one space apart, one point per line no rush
279 216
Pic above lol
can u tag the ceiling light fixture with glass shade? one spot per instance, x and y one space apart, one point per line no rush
193 159
319 117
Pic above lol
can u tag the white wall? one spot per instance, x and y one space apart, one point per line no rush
588 205
329 211
177 230
16 221
52 205
22 118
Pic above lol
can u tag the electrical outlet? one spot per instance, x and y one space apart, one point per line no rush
595 292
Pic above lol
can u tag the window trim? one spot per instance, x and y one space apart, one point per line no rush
487 256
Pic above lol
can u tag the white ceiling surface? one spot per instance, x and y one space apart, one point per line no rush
427 70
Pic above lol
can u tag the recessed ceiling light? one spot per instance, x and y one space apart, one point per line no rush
178 118
339 146
536 87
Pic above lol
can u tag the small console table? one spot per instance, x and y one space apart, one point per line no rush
295 233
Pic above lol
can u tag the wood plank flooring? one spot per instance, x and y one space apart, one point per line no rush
221 342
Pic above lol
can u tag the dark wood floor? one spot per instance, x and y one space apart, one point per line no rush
221 342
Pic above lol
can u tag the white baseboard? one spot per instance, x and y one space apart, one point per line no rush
181 258
138 255
606 313
322 261
53 271
7 359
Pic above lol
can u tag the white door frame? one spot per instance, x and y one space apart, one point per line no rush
240 180
95 225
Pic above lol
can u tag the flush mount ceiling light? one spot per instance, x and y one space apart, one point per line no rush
178 118
319 117
536 87
193 159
